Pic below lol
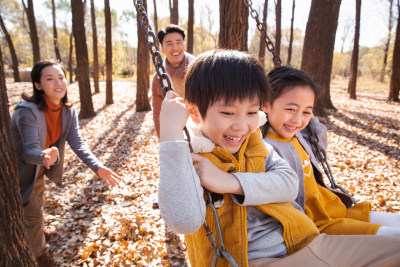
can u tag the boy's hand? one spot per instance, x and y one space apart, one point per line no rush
173 117
50 156
214 179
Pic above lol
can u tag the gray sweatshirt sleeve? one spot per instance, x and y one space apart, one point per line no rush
278 184
180 194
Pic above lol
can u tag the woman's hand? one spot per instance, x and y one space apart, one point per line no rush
50 156
110 177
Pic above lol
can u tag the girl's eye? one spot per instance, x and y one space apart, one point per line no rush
290 109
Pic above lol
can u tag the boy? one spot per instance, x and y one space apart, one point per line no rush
224 91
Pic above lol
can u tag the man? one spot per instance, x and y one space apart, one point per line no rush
172 40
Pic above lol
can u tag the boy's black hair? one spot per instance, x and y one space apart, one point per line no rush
284 78
170 29
227 75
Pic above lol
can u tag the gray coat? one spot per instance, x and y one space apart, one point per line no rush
28 126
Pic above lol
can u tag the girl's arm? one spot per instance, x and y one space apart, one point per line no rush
279 183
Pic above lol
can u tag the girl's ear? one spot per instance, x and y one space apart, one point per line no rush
194 113
37 85
266 108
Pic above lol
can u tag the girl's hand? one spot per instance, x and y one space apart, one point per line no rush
110 177
50 156
214 179
173 117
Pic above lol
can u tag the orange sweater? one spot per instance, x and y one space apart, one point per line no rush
53 122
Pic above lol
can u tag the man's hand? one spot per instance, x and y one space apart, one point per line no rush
50 156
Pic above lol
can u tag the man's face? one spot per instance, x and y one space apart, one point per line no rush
173 47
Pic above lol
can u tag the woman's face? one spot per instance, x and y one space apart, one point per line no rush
53 83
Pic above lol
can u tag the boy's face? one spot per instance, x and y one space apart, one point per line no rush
229 124
291 111
173 47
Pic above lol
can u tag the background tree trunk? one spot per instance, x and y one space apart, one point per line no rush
395 78
71 49
289 59
143 70
155 18
12 51
109 89
261 48
278 19
32 30
354 55
55 40
82 60
387 44
319 42
95 53
190 27
174 12
14 246
233 25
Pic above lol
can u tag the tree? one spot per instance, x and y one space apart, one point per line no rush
387 44
82 60
190 27
95 53
55 38
395 78
109 92
155 18
71 50
32 30
261 50
354 55
233 25
143 69
12 51
278 20
174 12
318 47
291 35
14 246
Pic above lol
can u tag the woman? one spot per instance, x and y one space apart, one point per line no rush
40 126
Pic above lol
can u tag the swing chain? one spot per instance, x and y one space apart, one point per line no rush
151 41
261 27
321 156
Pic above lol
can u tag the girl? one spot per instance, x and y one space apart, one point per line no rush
40 126
289 111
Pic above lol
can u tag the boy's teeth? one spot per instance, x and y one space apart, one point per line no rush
232 139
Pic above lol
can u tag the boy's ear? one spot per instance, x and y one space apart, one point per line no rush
194 112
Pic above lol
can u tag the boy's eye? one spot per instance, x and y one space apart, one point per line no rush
253 113
226 113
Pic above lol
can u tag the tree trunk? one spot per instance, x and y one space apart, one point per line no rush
395 78
190 27
319 42
143 70
261 50
289 59
95 53
71 49
32 31
354 55
55 40
387 44
278 17
155 18
174 12
12 51
109 89
233 25
82 60
14 246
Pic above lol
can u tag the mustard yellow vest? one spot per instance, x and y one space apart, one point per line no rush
298 229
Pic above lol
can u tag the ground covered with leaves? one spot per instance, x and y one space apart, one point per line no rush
89 224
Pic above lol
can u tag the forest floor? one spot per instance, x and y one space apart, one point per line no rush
90 224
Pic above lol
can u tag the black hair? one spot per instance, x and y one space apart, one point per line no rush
283 79
38 95
225 74
170 29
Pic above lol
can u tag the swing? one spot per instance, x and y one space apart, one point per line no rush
151 40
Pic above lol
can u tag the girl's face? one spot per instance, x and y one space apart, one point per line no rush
291 111
53 83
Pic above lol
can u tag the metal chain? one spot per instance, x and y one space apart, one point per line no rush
261 27
321 156
151 41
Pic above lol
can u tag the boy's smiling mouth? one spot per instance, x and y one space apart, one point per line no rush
232 139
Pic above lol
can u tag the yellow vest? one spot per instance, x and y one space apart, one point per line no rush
298 229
